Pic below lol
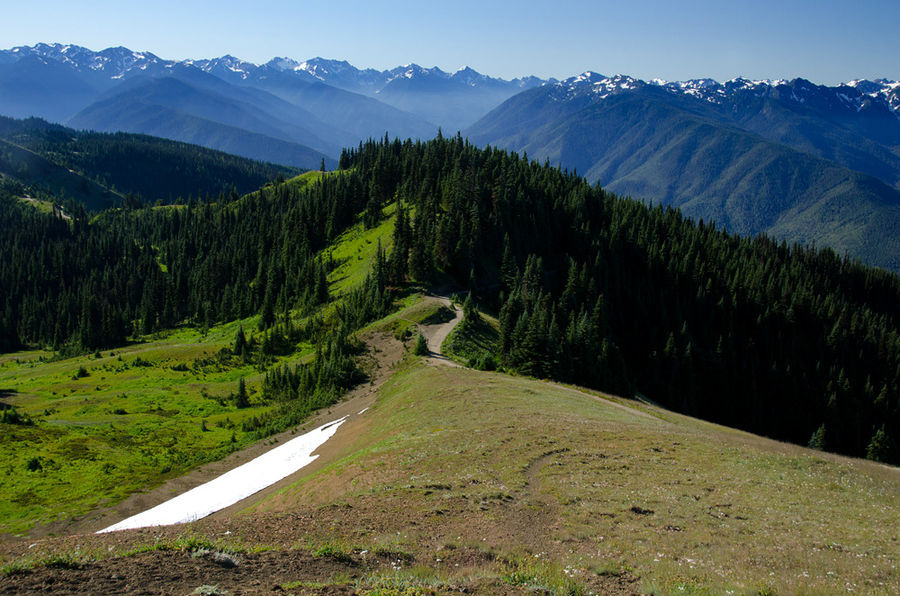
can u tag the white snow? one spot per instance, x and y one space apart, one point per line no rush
284 63
239 483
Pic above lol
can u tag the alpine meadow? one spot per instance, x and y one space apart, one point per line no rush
279 327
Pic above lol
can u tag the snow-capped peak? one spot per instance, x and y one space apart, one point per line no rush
282 64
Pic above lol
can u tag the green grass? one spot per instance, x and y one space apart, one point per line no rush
354 251
140 415
40 205
413 309
473 342
540 576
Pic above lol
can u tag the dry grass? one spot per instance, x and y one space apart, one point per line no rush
524 466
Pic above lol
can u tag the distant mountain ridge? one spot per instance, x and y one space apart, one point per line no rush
856 95
798 161
471 93
119 63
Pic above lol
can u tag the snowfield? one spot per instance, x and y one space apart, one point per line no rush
239 483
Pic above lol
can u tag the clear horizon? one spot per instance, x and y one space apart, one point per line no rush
827 42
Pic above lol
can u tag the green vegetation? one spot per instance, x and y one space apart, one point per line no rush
101 428
475 342
333 549
605 292
100 170
89 430
353 255
237 321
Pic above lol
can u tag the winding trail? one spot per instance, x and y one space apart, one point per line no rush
436 334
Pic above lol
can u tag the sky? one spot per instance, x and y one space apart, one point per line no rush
826 41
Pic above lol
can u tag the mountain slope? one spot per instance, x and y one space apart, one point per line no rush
842 124
352 116
172 109
41 174
641 143
87 166
46 89
188 97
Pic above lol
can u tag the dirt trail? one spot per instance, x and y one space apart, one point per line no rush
436 334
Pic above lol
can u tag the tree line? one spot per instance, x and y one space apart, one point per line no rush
792 342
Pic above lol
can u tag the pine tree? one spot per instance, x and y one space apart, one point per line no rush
818 440
881 447
241 400
421 347
240 342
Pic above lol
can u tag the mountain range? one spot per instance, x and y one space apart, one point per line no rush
798 161
795 160
259 111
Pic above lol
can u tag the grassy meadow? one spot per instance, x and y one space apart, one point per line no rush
104 425
583 486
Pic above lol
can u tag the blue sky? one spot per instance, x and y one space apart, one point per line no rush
825 41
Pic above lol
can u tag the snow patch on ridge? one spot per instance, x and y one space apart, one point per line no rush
233 486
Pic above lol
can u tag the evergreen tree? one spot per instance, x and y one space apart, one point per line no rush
817 440
421 348
240 342
241 400
881 447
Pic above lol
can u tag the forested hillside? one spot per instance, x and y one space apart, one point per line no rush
100 170
754 166
785 341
